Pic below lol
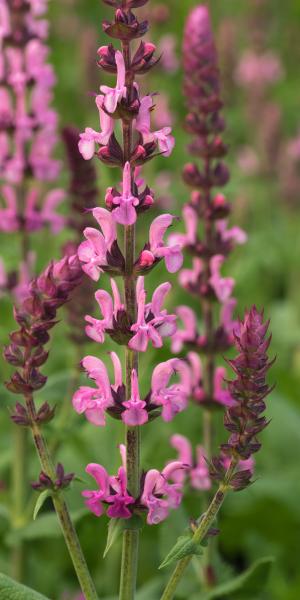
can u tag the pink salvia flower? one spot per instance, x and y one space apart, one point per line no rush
190 221
159 495
8 216
199 475
112 491
120 499
234 234
94 499
135 413
112 96
222 286
162 137
94 401
198 471
191 276
92 253
221 395
125 213
173 398
152 323
109 308
90 137
171 254
189 331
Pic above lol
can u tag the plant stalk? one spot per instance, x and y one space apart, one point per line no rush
130 546
61 509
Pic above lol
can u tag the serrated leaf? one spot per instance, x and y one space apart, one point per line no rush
117 526
184 546
11 590
247 585
40 501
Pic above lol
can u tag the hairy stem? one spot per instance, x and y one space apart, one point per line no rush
61 509
201 531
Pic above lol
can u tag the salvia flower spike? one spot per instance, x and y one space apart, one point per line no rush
128 315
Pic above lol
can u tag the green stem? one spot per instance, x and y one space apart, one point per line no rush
200 532
61 509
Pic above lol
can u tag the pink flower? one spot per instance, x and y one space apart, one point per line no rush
135 413
162 137
172 254
8 216
120 499
190 219
229 324
112 96
198 471
48 214
222 286
221 394
152 323
96 498
87 141
112 491
234 234
93 402
90 137
196 376
109 308
125 213
173 399
189 331
190 277
199 475
92 253
159 495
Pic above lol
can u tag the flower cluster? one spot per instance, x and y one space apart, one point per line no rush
106 398
208 238
27 126
129 318
245 420
160 492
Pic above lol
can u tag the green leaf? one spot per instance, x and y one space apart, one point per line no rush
117 526
183 547
247 585
40 501
11 590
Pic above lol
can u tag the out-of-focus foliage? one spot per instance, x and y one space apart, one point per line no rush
264 520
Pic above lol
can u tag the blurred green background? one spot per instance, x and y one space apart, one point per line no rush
264 520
